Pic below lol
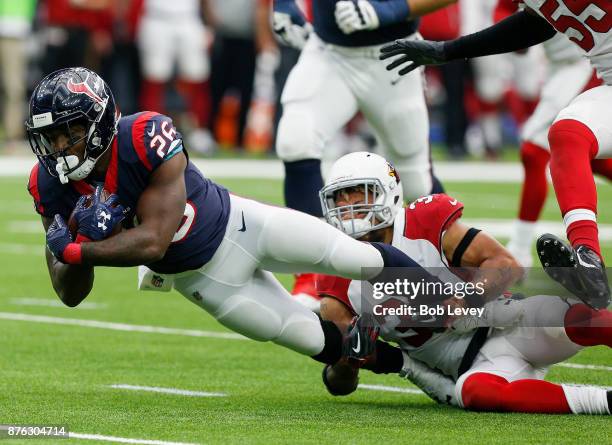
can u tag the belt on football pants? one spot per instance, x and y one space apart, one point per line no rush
479 339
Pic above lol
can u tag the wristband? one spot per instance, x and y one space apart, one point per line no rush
72 254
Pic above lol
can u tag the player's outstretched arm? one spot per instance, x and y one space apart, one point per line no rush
159 211
71 282
497 268
519 31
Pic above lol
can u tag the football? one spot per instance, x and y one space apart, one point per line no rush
73 224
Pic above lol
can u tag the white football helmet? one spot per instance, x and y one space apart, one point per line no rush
383 193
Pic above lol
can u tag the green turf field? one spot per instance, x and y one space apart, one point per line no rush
61 374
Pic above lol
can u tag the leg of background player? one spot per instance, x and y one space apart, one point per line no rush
533 196
573 146
602 167
317 103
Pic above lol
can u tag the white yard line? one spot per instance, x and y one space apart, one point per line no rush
13 316
118 326
503 228
273 169
500 228
580 366
390 389
53 303
25 226
174 391
22 249
115 439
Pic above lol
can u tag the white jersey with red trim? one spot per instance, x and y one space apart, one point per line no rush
587 23
418 232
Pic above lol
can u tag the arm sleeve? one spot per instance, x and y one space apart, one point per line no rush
519 31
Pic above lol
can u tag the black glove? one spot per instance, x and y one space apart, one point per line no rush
97 221
419 52
58 237
360 340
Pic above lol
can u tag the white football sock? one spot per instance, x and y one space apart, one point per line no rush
586 399
523 234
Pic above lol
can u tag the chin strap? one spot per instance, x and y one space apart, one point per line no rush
59 168
72 162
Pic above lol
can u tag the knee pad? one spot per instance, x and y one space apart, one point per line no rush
298 330
416 182
249 318
297 137
302 332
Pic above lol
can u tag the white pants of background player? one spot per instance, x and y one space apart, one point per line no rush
237 287
164 41
593 108
565 82
331 83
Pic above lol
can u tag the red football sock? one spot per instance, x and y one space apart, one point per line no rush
588 327
488 392
198 100
152 96
535 186
602 167
572 146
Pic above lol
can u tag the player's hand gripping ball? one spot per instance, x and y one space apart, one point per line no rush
96 216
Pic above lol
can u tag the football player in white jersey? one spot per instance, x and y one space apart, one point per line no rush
488 368
172 33
581 131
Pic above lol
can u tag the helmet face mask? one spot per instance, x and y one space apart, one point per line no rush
61 102
359 218
362 194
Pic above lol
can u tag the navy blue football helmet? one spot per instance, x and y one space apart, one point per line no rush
62 100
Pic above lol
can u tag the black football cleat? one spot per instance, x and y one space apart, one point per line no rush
580 271
592 274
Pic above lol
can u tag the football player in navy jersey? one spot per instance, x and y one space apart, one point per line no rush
497 363
337 76
216 249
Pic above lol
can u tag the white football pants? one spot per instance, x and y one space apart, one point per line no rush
331 83
237 287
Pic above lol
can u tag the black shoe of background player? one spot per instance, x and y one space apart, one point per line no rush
581 272
360 339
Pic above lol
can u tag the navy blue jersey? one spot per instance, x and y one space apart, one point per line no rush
144 141
324 23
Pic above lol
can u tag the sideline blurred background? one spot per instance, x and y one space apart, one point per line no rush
216 69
